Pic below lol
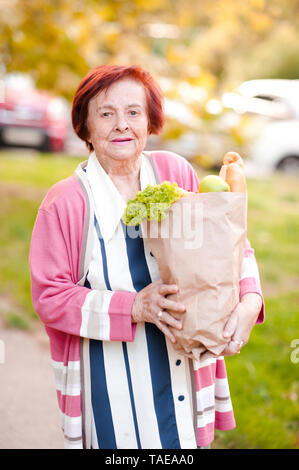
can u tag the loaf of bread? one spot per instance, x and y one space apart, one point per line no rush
232 171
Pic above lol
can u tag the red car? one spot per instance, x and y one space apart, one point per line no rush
32 118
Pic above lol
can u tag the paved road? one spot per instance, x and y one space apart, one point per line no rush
29 416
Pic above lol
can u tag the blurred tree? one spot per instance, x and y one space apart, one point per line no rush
34 38
275 57
213 44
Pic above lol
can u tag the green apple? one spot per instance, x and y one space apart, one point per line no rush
212 183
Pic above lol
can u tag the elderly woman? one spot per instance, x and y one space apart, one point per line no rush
120 383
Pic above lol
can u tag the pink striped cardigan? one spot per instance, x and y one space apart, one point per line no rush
59 257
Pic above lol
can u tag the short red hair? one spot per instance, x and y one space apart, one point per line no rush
101 78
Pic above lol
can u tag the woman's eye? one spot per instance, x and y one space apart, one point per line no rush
133 112
106 114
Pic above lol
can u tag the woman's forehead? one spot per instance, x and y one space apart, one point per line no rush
125 91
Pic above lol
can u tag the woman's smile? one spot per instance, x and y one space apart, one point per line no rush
122 140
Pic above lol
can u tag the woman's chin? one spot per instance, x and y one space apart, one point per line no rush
125 152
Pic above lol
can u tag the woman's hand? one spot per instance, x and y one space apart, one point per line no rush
151 300
241 322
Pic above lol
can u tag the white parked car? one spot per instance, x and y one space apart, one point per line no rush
275 102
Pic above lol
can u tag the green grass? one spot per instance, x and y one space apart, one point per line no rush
264 382
40 171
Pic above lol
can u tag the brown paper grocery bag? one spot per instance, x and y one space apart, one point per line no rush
200 247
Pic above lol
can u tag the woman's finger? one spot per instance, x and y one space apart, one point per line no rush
231 349
234 346
164 328
166 289
172 305
168 319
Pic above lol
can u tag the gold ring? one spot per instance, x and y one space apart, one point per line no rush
238 342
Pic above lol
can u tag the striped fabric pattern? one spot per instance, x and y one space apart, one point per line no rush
134 403
85 304
132 398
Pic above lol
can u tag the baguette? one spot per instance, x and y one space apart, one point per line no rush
232 171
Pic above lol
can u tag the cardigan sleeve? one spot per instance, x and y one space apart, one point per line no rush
59 301
250 279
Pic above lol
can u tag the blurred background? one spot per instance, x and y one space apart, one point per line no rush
229 71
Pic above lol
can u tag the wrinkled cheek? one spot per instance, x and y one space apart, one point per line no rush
142 143
99 140
143 138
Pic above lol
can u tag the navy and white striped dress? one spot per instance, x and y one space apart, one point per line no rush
139 393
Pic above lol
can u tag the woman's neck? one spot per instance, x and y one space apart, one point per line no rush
121 168
125 175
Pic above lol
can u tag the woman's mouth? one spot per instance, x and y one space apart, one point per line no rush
122 140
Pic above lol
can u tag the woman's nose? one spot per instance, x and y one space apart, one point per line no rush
121 123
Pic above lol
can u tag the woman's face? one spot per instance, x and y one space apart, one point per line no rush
117 121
